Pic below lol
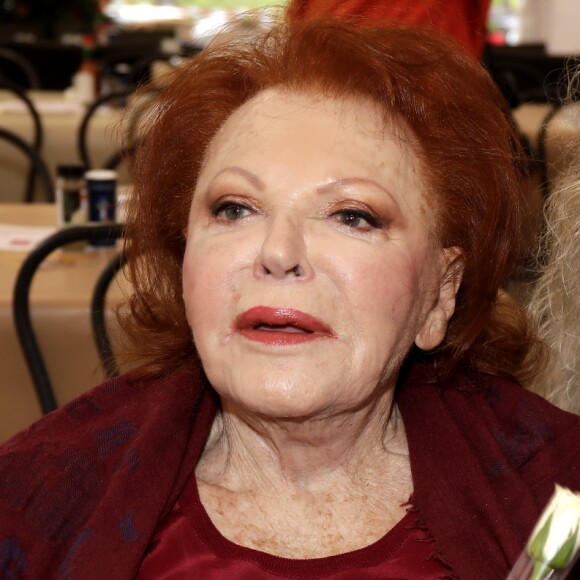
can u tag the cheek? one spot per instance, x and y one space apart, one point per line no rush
200 292
210 285
382 287
190 290
389 300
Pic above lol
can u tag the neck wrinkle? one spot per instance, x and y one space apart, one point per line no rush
246 452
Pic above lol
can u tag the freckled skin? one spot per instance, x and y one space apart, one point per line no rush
315 528
307 457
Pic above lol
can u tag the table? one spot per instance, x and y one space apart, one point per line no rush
60 120
60 297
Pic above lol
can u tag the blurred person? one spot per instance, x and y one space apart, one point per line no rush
464 20
555 300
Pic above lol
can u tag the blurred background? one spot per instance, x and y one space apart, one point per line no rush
50 32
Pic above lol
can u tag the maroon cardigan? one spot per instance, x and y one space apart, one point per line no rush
83 490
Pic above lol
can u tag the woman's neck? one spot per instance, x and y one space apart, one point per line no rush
246 450
309 488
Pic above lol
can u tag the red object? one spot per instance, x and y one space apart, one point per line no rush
464 20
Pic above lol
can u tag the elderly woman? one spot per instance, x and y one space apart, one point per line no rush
321 223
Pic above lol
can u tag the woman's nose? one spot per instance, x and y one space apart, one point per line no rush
283 252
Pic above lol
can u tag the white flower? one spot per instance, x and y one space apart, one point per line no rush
555 541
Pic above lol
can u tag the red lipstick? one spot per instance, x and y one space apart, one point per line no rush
280 326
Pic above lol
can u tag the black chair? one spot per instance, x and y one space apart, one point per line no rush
21 304
542 147
525 73
98 314
17 68
119 98
130 67
38 166
124 154
38 133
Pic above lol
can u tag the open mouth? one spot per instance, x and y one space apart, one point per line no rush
280 326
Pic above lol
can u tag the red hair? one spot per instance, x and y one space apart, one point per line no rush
470 153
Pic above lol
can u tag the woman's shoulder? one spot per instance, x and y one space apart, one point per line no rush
110 411
485 454
499 414
501 397
514 404
536 436
93 464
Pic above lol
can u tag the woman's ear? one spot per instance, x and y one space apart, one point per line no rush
434 328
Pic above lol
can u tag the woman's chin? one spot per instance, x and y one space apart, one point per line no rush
275 403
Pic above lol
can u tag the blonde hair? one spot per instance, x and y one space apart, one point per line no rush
555 300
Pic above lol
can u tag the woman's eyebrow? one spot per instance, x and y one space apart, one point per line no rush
251 177
348 181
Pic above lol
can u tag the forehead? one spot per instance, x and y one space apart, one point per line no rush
281 109
321 136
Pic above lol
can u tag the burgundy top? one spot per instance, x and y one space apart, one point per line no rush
188 545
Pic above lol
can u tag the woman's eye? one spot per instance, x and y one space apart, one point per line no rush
231 211
357 219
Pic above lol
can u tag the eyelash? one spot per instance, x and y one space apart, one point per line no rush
373 221
221 207
350 215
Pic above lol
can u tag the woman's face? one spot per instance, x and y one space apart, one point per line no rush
311 266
